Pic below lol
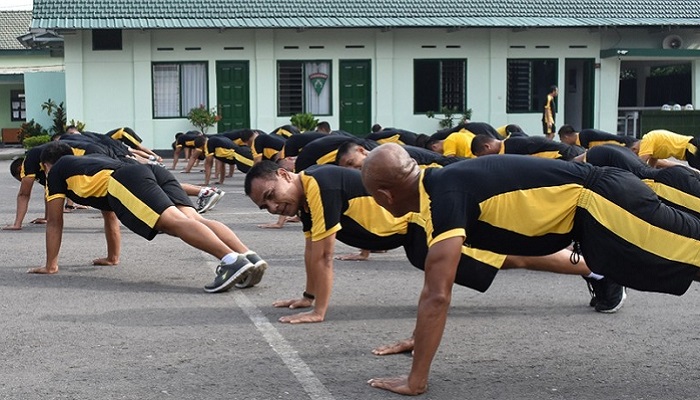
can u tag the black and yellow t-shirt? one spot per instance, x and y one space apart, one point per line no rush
224 149
459 144
677 186
662 144
482 128
285 131
550 105
267 146
294 144
337 202
31 166
531 206
235 136
426 158
539 146
392 135
82 179
190 140
511 209
588 138
126 136
321 151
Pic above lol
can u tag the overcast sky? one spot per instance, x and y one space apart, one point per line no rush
15 4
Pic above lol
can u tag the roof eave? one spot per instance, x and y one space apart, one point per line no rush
342 22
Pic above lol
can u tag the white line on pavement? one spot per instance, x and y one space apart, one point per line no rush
311 384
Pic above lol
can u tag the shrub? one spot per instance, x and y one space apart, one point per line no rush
450 115
203 118
304 122
30 129
34 141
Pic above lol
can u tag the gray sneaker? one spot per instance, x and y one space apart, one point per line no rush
219 195
207 200
256 274
228 275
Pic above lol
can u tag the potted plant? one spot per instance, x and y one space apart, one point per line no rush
304 121
203 118
450 115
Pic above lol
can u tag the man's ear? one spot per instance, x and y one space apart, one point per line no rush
362 150
284 174
385 196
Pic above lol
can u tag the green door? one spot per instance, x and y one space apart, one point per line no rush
588 93
233 95
355 96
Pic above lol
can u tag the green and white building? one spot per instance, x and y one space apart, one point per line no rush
354 63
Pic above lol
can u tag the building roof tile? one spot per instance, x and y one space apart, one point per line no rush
12 25
147 14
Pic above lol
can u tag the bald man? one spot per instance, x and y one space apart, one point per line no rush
635 240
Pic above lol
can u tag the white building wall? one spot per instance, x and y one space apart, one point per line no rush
108 89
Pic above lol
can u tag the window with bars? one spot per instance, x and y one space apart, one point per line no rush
178 88
438 84
529 81
303 87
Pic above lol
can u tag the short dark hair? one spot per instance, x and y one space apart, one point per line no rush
553 88
421 140
510 128
54 151
264 170
430 142
246 134
16 168
479 143
345 149
200 141
323 125
566 130
376 128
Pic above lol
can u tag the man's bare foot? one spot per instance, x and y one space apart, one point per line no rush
11 228
104 261
353 257
294 303
42 270
271 226
402 346
38 221
302 318
292 219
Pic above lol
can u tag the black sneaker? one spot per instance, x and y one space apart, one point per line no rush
608 295
593 301
228 275
255 276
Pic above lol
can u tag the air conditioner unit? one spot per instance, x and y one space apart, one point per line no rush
672 42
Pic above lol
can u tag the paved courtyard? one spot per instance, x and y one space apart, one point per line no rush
146 329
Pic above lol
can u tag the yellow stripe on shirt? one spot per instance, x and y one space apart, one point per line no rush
637 231
137 207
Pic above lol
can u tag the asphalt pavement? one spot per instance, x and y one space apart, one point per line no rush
147 330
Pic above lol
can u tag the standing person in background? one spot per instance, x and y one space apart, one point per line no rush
549 113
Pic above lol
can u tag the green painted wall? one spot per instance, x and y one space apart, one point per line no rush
5 119
38 88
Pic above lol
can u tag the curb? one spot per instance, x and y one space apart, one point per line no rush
9 154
